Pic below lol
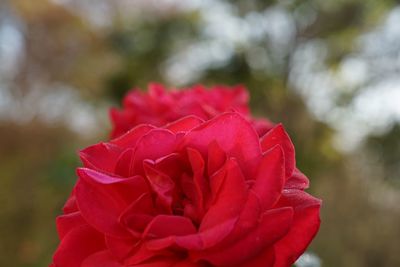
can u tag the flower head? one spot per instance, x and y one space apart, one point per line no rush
159 106
190 193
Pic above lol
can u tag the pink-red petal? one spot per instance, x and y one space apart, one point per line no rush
270 177
67 222
199 241
168 225
77 245
230 198
102 199
297 181
154 145
184 124
120 248
216 158
161 184
278 136
101 259
306 222
101 157
239 140
130 138
272 226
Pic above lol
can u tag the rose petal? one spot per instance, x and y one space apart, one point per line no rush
297 181
184 124
272 226
130 138
143 255
77 245
167 225
70 205
239 140
102 199
101 259
134 99
155 144
270 177
166 262
262 125
202 190
101 157
199 241
263 259
137 216
188 263
248 218
160 106
162 186
230 198
120 248
278 136
123 164
123 120
216 157
305 225
100 210
67 222
171 165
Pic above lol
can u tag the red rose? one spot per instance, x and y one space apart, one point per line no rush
192 193
159 106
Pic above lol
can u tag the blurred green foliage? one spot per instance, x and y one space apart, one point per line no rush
38 159
36 170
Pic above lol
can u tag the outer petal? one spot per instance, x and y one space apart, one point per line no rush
101 259
184 124
263 259
248 218
168 225
297 181
102 157
161 185
188 263
239 140
131 137
278 136
122 120
68 222
138 215
230 198
172 165
199 241
154 145
272 226
158 263
262 125
305 226
143 255
120 248
102 199
70 205
77 245
201 186
270 177
123 163
216 158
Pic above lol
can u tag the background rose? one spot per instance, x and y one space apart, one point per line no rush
159 106
191 193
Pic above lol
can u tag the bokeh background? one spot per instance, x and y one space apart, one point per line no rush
328 69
